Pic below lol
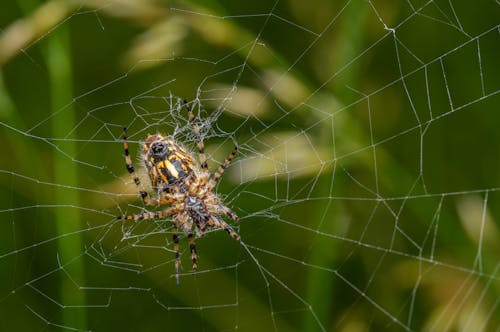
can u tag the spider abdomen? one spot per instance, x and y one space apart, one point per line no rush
172 171
167 162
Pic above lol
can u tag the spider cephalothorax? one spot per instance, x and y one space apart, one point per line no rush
184 187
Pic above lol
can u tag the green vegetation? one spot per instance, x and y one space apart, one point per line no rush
367 179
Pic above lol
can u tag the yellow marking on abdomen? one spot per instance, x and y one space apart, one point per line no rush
171 168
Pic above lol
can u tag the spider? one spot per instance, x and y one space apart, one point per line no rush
186 188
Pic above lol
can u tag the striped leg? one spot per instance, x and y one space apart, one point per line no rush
228 212
228 229
149 215
192 249
177 256
130 169
201 146
213 180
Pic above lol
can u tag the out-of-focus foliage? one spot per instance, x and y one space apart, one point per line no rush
369 163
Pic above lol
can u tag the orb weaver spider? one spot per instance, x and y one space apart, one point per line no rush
184 187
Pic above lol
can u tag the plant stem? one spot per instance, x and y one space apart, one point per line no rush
65 172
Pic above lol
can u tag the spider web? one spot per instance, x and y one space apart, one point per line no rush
366 178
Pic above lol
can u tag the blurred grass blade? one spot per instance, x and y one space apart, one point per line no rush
65 171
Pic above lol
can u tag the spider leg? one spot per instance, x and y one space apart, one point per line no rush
201 146
228 229
149 215
130 169
192 249
170 198
228 212
175 237
217 175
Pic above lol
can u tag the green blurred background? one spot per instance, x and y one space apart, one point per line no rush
367 179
